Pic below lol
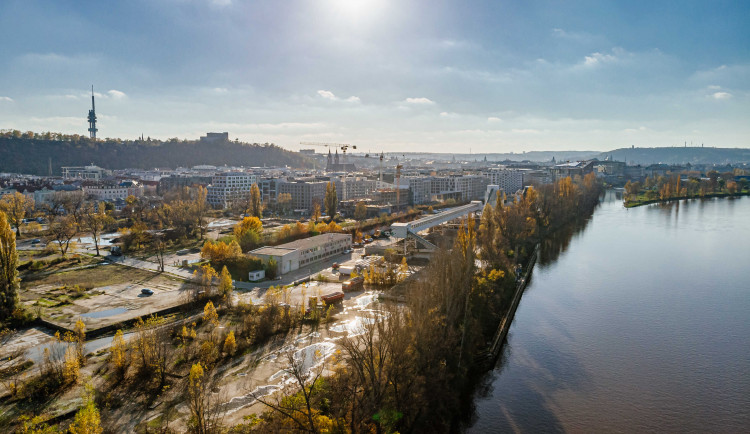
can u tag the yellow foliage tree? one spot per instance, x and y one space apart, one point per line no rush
210 315
71 366
230 346
87 420
226 286
119 353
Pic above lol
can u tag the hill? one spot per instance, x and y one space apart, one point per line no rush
679 155
31 155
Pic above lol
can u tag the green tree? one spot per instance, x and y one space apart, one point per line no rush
8 271
331 200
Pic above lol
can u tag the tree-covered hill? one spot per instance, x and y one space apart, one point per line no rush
31 154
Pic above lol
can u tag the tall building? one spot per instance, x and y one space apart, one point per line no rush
92 117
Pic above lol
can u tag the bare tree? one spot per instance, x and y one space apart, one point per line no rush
96 219
300 414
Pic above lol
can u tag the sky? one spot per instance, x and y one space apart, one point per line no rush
385 75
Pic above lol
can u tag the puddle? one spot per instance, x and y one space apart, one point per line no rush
104 313
36 353
352 327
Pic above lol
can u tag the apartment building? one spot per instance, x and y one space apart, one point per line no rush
229 187
510 180
304 193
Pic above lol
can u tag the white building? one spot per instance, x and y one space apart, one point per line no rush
301 253
509 180
114 191
228 187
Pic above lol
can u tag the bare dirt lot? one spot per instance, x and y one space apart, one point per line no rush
100 295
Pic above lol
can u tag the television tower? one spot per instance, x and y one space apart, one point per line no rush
92 116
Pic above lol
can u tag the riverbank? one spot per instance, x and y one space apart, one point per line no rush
641 200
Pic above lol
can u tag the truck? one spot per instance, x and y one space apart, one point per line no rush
353 284
332 297
346 269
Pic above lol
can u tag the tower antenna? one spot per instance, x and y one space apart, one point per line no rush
92 116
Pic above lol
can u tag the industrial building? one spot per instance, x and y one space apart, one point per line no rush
301 253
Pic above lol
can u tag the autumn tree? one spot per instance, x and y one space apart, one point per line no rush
220 251
87 420
204 277
256 207
205 410
62 229
331 200
210 316
248 232
15 206
360 211
284 202
8 269
315 216
119 354
95 219
230 346
226 286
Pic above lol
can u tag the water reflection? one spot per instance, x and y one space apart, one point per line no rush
605 337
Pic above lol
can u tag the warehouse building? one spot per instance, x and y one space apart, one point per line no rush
301 253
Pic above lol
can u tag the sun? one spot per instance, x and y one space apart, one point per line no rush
354 10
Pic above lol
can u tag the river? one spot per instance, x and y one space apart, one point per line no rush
638 321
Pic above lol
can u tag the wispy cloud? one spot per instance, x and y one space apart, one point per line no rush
597 58
721 95
116 94
327 94
419 101
494 119
6 99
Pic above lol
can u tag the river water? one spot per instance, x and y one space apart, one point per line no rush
638 321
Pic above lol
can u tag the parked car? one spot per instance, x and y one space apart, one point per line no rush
36 241
347 251
146 291
335 265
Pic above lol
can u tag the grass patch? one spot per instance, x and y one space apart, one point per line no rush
88 278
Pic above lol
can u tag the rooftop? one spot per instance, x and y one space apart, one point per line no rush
304 243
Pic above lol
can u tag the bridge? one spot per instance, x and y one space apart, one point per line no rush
411 229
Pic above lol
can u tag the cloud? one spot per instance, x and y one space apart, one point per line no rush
419 101
116 94
6 98
721 95
450 115
598 58
327 94
220 90
525 131
494 119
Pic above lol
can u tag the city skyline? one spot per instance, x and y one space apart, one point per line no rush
384 75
